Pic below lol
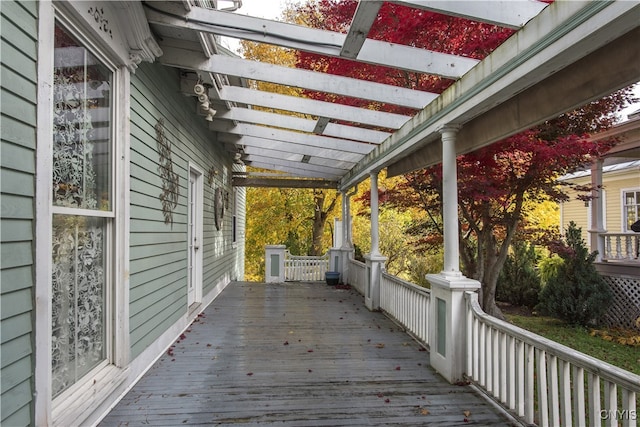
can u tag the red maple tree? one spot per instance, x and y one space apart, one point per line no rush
495 182
396 24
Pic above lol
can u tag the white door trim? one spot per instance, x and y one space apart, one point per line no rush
195 245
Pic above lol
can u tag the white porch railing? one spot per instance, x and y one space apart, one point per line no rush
305 268
357 275
621 246
519 368
537 380
408 304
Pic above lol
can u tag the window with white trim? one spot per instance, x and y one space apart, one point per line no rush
82 210
630 208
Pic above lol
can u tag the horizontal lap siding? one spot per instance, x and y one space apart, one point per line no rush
613 183
158 251
17 178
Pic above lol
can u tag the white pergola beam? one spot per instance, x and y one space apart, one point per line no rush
313 107
289 147
505 13
295 169
336 130
307 39
272 153
312 80
310 140
361 23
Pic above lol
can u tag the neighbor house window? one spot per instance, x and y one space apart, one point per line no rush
631 208
82 210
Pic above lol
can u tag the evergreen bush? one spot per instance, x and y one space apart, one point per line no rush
519 282
577 294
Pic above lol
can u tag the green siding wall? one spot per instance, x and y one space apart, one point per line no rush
18 70
158 252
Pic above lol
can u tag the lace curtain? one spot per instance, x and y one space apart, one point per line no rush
81 186
78 280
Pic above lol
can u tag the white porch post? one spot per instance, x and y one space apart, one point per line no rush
274 263
346 219
375 211
447 333
340 256
597 211
374 260
450 202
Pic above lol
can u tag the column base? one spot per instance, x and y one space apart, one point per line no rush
375 265
447 330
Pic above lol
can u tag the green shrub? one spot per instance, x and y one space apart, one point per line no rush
548 267
576 294
519 282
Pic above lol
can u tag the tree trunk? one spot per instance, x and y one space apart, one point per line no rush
320 216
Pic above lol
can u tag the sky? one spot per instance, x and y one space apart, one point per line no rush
271 9
268 9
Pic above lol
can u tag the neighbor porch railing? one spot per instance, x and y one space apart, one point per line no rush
519 368
620 246
305 268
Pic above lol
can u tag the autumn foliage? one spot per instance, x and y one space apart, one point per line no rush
400 25
497 184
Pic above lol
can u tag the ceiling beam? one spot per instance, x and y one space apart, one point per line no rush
283 183
252 144
321 125
323 166
304 125
361 23
296 169
310 140
313 107
504 13
307 39
311 80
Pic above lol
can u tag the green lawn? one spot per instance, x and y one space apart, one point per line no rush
624 356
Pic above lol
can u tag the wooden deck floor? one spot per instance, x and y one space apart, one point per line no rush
299 354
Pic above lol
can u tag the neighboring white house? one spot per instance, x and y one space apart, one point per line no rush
606 220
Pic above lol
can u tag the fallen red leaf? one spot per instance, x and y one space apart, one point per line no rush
380 395
249 373
286 343
310 351
387 401
397 368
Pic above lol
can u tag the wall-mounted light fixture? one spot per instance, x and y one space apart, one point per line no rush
201 91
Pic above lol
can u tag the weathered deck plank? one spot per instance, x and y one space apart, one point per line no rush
297 354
